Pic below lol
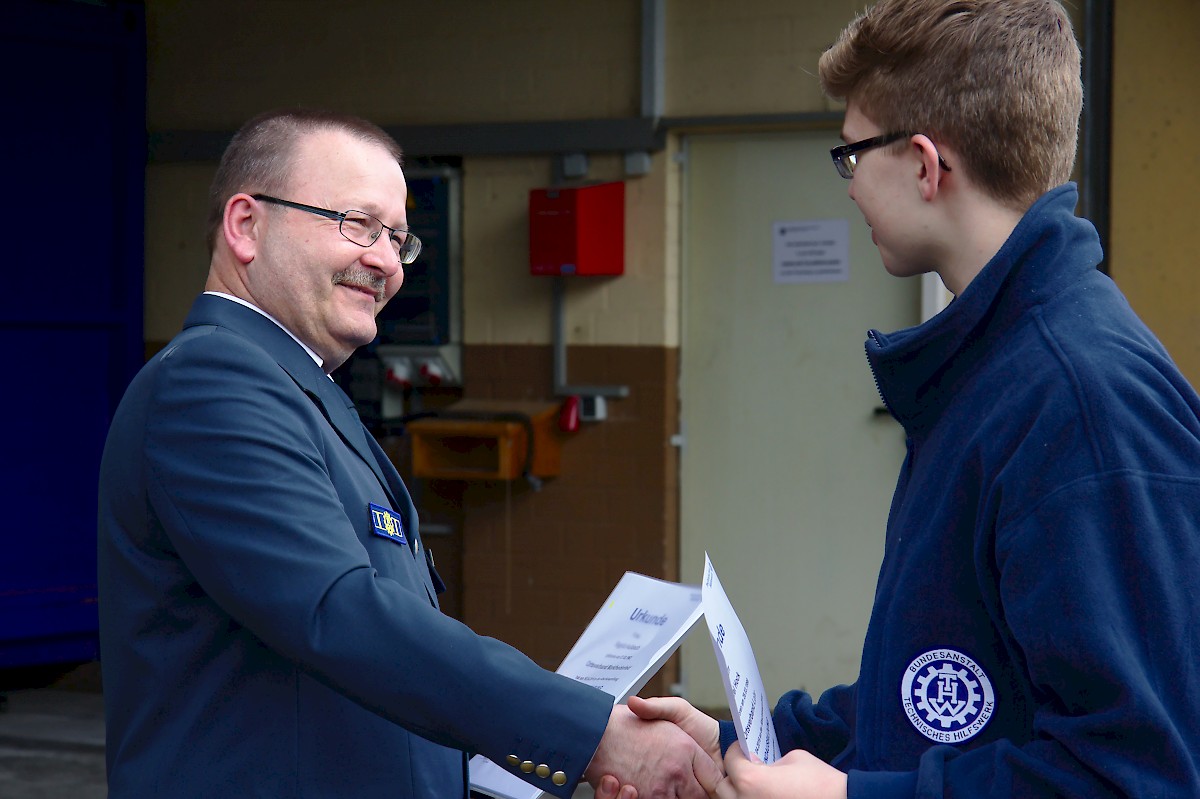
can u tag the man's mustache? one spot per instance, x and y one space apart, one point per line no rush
363 279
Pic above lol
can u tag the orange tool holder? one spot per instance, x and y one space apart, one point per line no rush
487 440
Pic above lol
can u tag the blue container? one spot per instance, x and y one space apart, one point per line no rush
71 308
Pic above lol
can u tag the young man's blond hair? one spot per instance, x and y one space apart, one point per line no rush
996 81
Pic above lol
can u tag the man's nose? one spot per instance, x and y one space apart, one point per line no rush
380 255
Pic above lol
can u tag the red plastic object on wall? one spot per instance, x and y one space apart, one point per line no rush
568 415
577 230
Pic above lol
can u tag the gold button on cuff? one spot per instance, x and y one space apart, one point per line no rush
513 761
527 766
559 778
543 771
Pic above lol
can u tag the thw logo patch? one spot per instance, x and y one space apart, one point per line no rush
387 524
947 696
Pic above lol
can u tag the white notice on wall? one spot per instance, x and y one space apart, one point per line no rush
811 251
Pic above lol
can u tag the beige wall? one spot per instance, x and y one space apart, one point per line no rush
214 63
462 61
1154 255
398 63
753 57
506 305
465 61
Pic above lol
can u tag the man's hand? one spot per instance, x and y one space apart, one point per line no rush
797 775
703 729
649 760
611 788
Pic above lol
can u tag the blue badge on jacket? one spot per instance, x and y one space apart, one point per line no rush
947 696
387 524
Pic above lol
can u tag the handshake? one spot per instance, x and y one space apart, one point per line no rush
664 748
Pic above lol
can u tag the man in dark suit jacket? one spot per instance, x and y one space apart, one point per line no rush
269 615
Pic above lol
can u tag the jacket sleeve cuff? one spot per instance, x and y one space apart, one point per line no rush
881 784
726 736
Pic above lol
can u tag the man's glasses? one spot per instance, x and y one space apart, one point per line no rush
845 157
359 227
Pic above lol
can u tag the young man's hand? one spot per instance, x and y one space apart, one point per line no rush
797 775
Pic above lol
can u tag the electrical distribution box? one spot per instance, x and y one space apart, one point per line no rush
577 230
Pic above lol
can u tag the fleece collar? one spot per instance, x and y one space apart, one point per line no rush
916 368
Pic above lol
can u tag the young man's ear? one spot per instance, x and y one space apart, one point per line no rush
931 172
240 227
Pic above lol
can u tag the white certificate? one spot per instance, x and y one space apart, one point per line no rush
637 628
739 671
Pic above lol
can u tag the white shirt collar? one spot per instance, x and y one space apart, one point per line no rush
253 307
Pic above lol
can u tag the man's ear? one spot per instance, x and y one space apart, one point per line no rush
931 174
241 226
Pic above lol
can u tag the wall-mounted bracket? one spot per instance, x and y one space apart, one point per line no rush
561 387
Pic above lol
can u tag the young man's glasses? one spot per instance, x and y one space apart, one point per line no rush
359 227
845 157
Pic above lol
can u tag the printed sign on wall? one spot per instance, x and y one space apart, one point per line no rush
811 251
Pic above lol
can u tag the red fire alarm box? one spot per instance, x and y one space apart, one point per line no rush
577 230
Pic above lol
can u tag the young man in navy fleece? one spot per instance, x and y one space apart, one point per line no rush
1034 628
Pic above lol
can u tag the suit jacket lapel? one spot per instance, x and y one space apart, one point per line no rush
378 460
396 488
327 395
375 457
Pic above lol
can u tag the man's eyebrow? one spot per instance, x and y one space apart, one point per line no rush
374 210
